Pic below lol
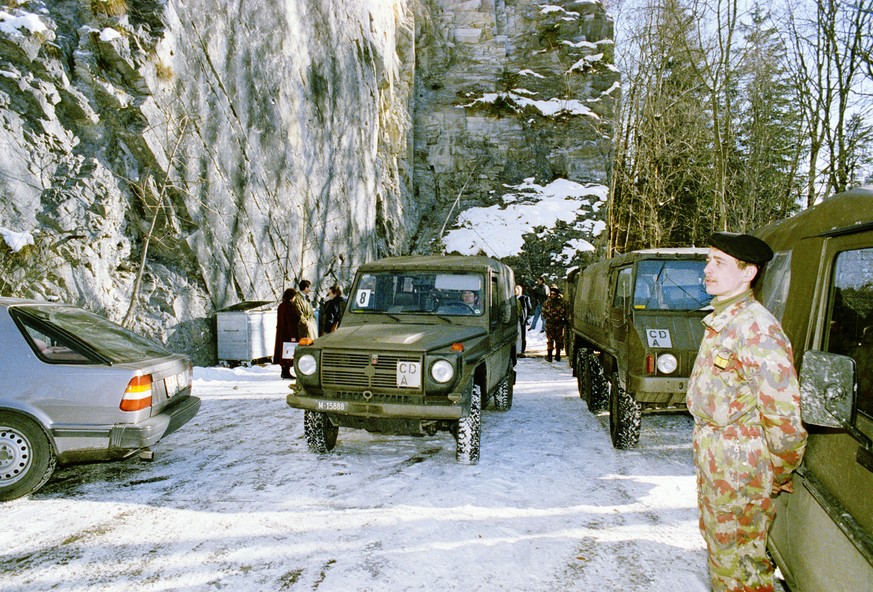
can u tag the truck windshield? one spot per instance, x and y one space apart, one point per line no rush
417 292
670 284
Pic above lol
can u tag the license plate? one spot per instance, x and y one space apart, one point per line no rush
408 374
172 384
331 405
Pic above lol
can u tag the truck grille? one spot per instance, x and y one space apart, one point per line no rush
353 370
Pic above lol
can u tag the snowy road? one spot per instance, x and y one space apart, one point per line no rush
235 501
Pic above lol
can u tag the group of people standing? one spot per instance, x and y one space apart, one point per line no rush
546 303
296 319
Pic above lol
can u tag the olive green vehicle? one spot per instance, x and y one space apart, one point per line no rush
820 285
635 331
424 345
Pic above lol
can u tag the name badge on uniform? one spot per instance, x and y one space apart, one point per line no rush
720 362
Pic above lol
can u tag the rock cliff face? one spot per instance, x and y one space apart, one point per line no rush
510 90
170 158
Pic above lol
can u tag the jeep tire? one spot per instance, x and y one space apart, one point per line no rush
469 430
624 416
503 394
320 432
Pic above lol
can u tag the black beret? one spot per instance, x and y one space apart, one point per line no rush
744 247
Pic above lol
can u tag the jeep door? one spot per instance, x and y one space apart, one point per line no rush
823 534
502 327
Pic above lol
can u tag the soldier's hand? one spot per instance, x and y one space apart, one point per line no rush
787 487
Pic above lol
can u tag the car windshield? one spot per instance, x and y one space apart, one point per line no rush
70 334
670 284
418 292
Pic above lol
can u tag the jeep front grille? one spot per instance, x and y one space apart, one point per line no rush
352 370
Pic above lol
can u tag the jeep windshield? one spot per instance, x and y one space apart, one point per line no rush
670 284
418 292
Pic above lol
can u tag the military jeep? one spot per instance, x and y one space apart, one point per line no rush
635 333
820 285
424 345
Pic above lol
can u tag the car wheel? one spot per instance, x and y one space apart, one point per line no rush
320 432
27 460
469 430
503 396
625 415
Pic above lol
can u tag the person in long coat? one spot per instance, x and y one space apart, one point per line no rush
523 306
286 331
306 325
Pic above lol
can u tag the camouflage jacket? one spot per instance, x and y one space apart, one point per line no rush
744 384
555 310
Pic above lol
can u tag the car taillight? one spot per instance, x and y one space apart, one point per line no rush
138 394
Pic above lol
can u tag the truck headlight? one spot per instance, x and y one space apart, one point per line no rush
307 365
442 371
667 363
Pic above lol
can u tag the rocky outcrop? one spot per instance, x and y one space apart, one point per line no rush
508 91
171 158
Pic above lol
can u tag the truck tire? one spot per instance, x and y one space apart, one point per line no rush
469 430
320 433
624 416
27 460
583 384
592 386
571 352
503 395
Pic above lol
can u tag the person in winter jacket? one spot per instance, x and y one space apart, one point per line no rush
333 309
286 331
538 296
555 319
744 397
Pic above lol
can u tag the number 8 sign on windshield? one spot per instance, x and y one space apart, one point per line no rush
363 298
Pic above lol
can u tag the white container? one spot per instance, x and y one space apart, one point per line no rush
246 332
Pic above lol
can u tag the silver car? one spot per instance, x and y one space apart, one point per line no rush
75 387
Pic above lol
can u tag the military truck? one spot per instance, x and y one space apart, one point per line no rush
635 333
820 285
424 345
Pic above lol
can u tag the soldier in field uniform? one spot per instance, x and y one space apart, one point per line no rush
555 317
744 397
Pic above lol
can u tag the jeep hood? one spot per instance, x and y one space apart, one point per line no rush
398 337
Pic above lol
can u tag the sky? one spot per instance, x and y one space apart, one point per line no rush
235 501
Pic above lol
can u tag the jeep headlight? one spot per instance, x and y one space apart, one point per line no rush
442 371
667 363
307 365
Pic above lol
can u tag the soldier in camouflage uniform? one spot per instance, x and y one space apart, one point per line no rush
555 315
744 397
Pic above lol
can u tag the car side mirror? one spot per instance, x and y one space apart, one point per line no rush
827 389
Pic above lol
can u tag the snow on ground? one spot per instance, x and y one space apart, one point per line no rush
235 501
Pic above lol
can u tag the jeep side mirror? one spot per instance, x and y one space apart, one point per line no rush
827 389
